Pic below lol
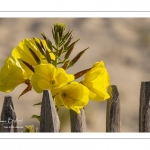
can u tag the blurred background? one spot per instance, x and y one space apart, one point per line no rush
124 46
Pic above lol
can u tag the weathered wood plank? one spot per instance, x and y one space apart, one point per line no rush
144 113
78 121
8 116
49 121
113 110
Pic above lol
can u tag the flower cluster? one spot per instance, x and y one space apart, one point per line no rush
36 62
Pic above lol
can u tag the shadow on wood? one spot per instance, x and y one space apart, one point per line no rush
113 110
78 121
49 120
144 112
8 116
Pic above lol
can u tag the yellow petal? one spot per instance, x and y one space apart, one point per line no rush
8 87
43 84
22 52
74 96
97 97
11 74
58 101
49 77
46 71
34 81
77 110
52 56
97 81
62 77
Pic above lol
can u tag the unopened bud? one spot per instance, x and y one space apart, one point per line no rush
70 48
81 73
66 64
76 58
60 28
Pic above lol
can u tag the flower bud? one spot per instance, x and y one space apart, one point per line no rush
81 73
76 58
59 28
66 64
70 48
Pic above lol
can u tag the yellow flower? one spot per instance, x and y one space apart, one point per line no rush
48 77
97 81
73 96
11 75
22 52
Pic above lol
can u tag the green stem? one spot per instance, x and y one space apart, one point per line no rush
56 59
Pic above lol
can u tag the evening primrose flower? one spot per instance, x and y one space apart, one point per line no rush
11 75
97 81
22 51
48 77
73 96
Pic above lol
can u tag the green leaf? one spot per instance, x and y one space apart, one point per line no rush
66 36
29 128
68 41
61 51
57 38
53 33
40 103
35 116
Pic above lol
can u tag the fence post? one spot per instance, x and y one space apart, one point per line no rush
8 116
113 110
78 121
49 120
144 107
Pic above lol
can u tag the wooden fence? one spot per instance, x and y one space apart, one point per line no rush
49 121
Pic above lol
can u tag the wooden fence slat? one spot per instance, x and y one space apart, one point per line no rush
144 113
49 121
78 121
8 116
113 110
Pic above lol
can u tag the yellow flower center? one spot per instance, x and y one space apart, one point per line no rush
64 95
68 100
52 82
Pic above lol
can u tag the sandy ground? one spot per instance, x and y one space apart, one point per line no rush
124 46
